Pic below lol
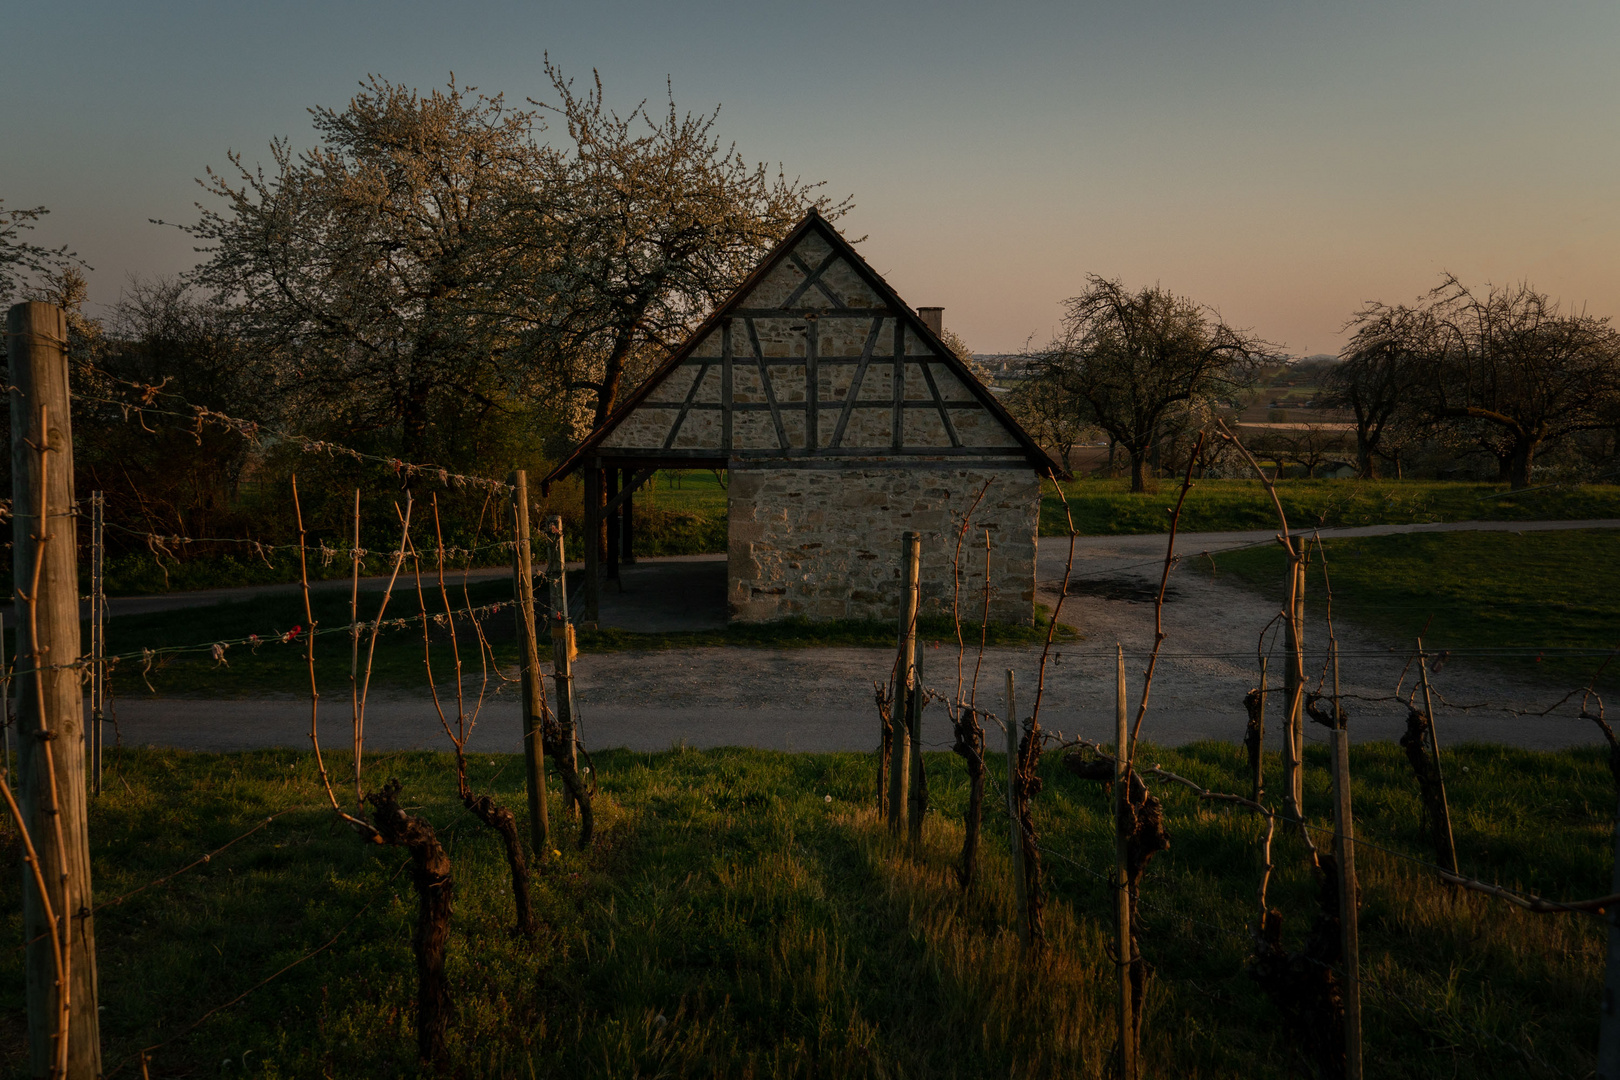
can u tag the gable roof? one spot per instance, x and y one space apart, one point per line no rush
784 269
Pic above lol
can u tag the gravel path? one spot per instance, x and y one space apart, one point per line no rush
821 699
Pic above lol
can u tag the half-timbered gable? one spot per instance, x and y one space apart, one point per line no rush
802 362
844 421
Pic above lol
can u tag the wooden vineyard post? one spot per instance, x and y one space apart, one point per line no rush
1344 852
1294 689
1448 856
1125 951
64 1030
5 710
917 796
534 759
1014 822
1257 751
98 635
905 676
562 651
1608 1058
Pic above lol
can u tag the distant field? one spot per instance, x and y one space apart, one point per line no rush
1482 590
1107 508
744 915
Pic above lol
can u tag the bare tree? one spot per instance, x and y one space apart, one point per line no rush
1125 358
1379 377
1510 365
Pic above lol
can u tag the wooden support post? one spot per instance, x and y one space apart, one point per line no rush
1125 949
610 476
627 521
64 1030
1294 688
905 675
1608 1058
534 758
1015 824
1344 853
1259 735
917 793
562 651
592 545
5 704
98 635
1448 854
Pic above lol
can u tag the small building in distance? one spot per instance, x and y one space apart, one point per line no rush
843 422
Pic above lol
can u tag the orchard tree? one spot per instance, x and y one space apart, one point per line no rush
1514 371
1123 359
390 271
1380 375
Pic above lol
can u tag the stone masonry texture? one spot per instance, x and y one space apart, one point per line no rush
826 543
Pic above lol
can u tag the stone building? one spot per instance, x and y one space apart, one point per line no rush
843 422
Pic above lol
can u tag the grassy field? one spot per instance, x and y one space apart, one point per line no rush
1106 507
1483 590
744 915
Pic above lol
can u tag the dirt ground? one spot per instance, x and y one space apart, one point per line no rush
822 699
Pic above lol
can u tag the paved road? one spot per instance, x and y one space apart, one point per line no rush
821 699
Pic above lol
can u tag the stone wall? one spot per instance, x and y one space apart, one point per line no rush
826 543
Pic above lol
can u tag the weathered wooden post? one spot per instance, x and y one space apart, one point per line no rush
1344 852
1294 688
1448 844
1122 884
98 635
534 759
64 1030
1015 822
562 651
917 801
1255 737
905 676
5 709
1608 1060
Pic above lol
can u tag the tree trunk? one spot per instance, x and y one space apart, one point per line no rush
1366 461
1138 469
1520 463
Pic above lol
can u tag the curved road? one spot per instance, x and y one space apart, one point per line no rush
821 699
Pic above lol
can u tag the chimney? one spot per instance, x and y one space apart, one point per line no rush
933 318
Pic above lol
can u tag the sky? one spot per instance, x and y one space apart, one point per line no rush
1281 162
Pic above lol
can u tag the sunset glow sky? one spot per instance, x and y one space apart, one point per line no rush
1280 161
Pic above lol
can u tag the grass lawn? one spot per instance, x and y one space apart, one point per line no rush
745 915
1484 590
1106 507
